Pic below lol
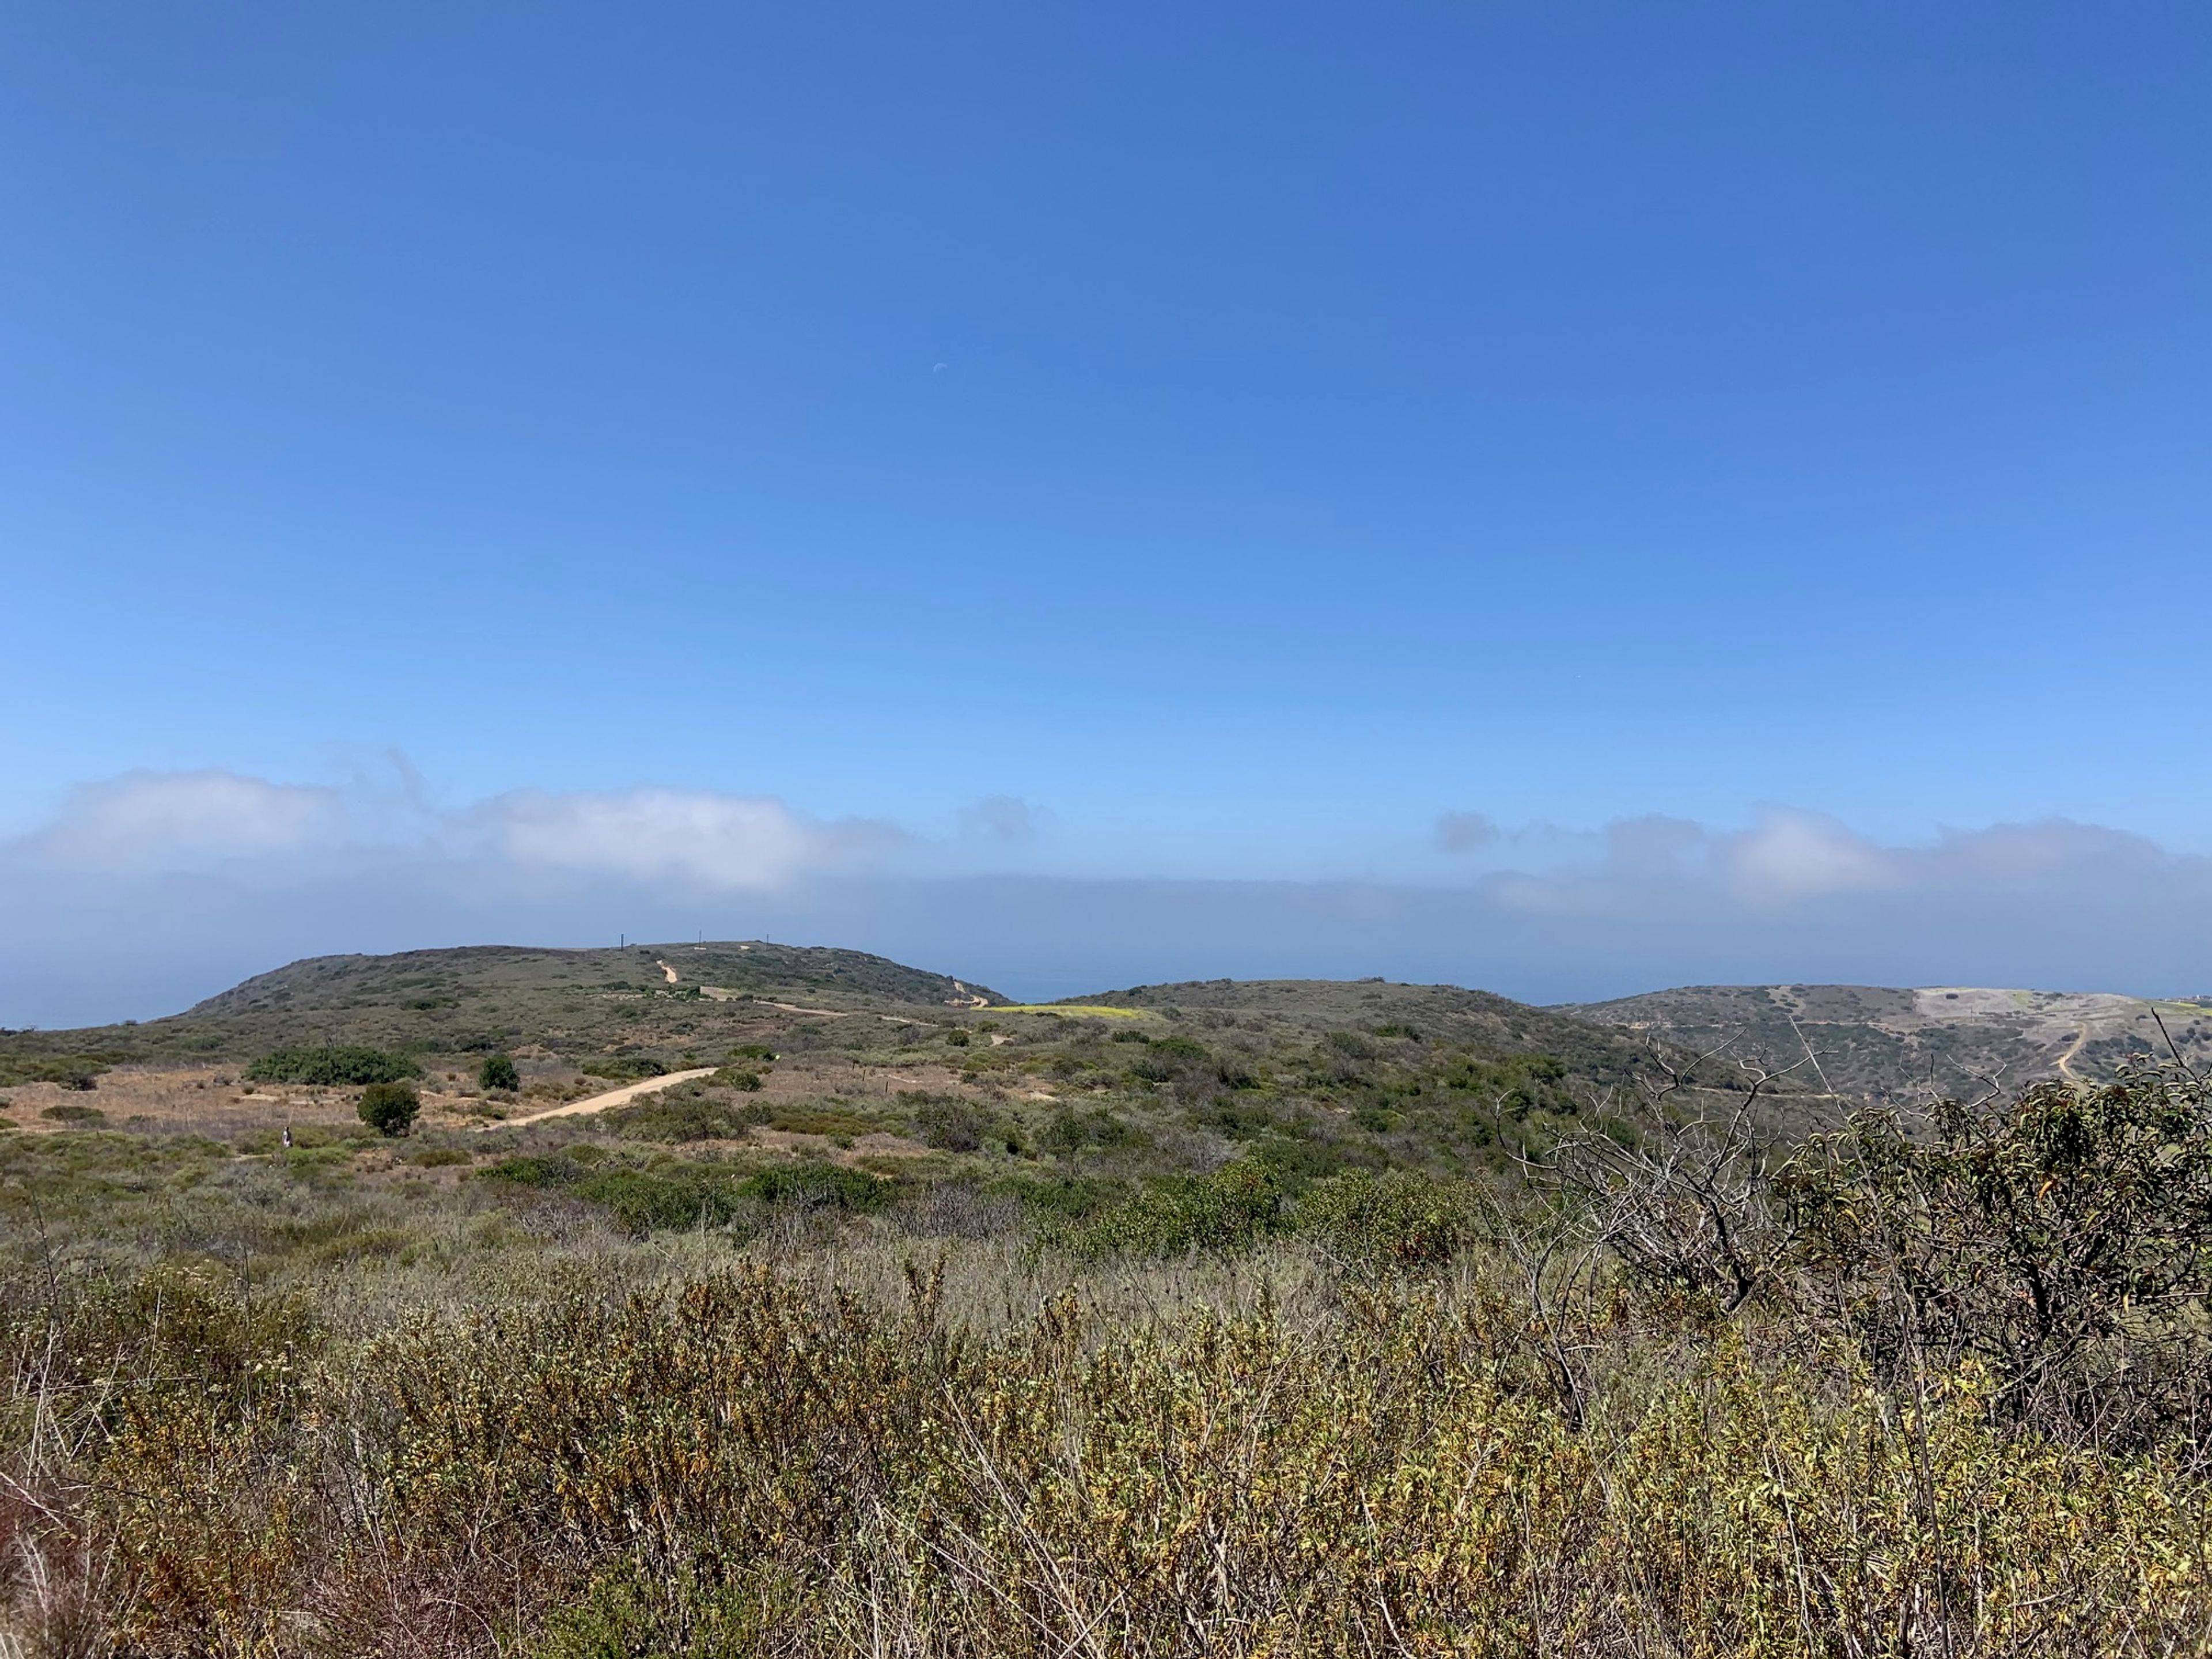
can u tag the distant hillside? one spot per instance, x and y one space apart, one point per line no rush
417 981
1894 1046
1312 1075
1435 1014
480 998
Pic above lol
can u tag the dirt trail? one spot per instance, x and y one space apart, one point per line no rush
2066 1060
666 969
621 1097
833 1013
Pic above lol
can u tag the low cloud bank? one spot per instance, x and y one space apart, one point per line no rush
146 892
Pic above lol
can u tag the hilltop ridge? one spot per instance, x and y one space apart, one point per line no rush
1890 1045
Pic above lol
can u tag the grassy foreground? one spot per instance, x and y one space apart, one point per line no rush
1935 1392
858 1453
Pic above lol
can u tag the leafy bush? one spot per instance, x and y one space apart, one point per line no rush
682 1115
835 1121
499 1072
1072 1131
344 1066
950 1123
389 1108
752 1051
73 1071
671 1195
1231 1209
731 1077
90 1114
640 1201
1397 1219
622 1068
2063 1240
820 1187
1239 1120
647 1200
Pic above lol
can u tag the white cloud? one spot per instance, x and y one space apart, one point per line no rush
150 822
708 840
1002 819
1793 855
1463 832
145 822
139 877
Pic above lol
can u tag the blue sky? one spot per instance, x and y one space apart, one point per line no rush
1208 443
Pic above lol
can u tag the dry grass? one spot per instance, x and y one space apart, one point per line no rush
855 1444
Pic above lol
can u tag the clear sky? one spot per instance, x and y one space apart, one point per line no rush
1213 442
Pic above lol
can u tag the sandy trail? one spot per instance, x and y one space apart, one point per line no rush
830 1013
666 969
621 1097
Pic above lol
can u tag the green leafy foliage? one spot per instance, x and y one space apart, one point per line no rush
821 1187
70 1070
389 1108
1072 1132
622 1068
336 1066
1229 1210
951 1123
685 1113
499 1072
2063 1239
1396 1219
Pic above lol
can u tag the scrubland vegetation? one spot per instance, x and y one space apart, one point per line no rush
1290 1326
1886 1396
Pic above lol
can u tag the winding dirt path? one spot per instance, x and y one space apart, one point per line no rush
621 1097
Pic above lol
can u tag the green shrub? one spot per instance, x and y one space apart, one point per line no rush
675 1195
733 1076
70 1071
833 1120
389 1108
1072 1131
343 1066
2062 1240
649 1200
1397 1219
752 1051
1239 1120
820 1187
622 1068
1232 1209
681 1114
1059 1201
672 1196
499 1072
950 1123
87 1115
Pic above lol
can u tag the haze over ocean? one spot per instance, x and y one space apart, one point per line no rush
1564 498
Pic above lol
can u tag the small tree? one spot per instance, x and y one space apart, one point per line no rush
498 1072
389 1109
